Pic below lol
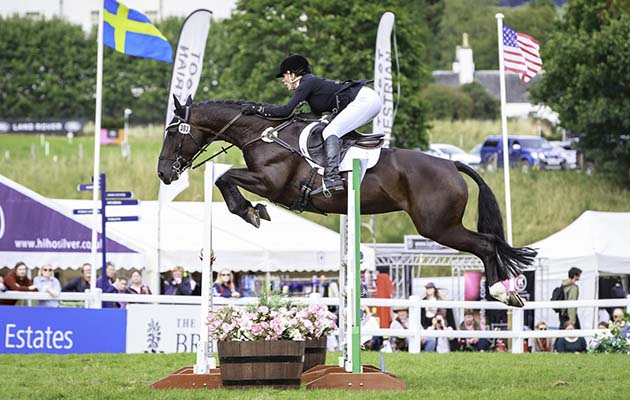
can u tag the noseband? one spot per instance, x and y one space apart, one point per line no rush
183 126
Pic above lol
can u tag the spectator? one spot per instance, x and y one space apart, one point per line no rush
572 344
401 321
594 341
428 313
224 285
47 283
17 280
3 288
540 344
370 321
470 324
571 292
106 283
178 285
82 283
120 286
441 344
384 290
617 317
135 285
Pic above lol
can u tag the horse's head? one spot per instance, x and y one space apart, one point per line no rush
182 142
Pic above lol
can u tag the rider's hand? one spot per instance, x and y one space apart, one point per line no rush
250 109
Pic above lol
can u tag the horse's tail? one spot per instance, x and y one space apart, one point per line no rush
511 260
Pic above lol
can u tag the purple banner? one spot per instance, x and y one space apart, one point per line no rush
32 223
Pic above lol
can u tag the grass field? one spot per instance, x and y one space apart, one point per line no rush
428 376
543 202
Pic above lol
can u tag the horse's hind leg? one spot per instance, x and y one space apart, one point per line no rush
483 246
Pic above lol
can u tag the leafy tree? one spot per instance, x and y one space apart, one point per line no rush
448 103
587 79
46 69
484 105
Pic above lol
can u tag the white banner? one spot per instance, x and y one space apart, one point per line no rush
187 68
159 328
383 83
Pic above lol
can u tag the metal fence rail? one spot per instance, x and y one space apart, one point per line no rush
414 303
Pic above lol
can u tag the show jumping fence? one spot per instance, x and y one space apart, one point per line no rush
415 304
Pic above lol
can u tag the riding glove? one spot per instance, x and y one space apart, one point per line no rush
251 109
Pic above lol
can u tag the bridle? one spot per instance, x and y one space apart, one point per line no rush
183 126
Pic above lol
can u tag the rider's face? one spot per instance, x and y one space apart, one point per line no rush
290 80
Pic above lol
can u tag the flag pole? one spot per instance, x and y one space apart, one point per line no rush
504 131
97 149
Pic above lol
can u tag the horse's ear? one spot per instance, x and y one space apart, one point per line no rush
178 106
189 100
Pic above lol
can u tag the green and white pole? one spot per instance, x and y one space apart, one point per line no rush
353 321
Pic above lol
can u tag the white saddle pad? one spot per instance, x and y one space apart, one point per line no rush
371 155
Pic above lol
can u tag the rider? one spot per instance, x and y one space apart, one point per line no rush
352 103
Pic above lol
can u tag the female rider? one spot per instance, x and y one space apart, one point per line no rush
352 103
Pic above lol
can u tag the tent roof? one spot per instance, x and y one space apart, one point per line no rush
286 243
603 235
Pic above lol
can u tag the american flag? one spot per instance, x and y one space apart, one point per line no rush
521 54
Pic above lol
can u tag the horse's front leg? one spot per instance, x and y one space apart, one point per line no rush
235 201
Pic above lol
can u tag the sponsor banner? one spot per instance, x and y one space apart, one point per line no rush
187 68
49 126
61 330
28 224
383 83
155 328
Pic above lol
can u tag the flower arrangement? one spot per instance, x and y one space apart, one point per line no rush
618 341
270 320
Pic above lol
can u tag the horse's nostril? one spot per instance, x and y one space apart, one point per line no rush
160 174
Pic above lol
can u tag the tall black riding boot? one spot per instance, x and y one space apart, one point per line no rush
332 181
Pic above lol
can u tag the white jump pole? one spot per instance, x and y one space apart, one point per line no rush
205 348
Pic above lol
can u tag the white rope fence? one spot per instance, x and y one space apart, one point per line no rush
415 305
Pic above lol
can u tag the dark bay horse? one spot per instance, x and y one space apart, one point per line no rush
431 190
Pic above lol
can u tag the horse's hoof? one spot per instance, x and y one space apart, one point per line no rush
498 292
515 299
253 217
262 212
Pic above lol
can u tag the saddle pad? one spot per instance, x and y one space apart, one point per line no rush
372 155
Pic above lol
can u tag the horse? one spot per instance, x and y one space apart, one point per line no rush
430 190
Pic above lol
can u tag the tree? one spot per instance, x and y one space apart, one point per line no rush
338 38
45 69
587 80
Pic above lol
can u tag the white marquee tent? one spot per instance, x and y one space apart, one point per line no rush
596 242
286 243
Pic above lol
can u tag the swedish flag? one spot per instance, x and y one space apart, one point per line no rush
131 32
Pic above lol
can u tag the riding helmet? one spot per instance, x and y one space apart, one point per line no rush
295 63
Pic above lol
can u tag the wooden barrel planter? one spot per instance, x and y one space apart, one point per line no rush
266 363
314 352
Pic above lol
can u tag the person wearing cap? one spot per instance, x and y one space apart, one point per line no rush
428 313
352 104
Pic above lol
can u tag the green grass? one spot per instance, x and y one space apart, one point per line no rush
543 202
428 376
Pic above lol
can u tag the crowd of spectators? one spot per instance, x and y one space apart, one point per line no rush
180 282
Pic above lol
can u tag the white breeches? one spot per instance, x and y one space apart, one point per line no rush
360 111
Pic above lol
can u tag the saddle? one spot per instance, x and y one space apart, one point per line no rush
315 142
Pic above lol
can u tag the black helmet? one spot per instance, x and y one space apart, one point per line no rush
295 63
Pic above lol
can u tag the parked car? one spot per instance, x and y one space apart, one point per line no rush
525 152
567 152
451 152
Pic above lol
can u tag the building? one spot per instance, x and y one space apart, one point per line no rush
518 103
85 12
